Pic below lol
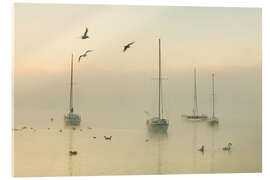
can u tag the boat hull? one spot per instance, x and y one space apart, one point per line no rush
213 120
197 117
161 126
72 119
192 117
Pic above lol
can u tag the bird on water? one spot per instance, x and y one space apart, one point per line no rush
107 137
227 148
202 148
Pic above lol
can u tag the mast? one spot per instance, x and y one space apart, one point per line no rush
71 87
159 80
195 108
213 93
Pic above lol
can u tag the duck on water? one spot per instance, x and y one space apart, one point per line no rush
227 148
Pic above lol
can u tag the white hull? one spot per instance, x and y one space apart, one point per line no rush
213 120
193 117
156 124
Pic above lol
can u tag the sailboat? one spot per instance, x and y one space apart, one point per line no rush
195 115
213 119
71 118
159 123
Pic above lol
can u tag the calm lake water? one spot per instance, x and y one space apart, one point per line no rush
44 152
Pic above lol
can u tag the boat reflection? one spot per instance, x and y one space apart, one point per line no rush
157 134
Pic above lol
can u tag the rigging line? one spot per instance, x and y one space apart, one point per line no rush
71 86
161 100
195 108
159 82
213 85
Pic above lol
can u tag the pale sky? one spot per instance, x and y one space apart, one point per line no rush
47 34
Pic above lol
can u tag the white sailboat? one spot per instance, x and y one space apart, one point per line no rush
213 119
159 123
195 115
71 118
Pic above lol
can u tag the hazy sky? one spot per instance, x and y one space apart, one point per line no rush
46 35
222 40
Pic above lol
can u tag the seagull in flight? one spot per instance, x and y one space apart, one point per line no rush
84 36
84 55
128 46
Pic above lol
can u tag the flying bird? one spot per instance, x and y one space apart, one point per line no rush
84 55
128 46
84 36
